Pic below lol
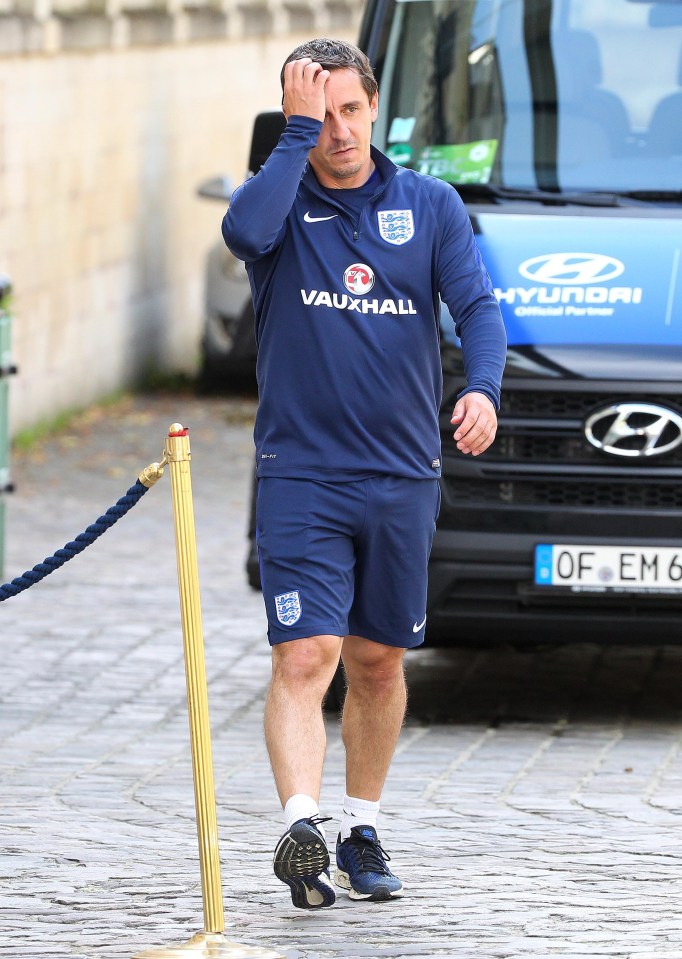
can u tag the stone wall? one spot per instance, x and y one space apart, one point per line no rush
111 113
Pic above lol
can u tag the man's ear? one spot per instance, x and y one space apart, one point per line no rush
374 107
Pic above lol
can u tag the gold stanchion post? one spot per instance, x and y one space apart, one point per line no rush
211 942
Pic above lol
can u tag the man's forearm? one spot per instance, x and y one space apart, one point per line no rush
484 350
260 206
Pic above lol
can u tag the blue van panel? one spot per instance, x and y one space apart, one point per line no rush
585 279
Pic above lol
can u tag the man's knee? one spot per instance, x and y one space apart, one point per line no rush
307 662
372 667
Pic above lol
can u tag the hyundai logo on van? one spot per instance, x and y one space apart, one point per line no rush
571 268
569 285
634 429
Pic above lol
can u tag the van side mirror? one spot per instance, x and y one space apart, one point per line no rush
267 129
217 188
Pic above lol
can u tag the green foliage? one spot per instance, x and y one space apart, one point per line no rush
26 440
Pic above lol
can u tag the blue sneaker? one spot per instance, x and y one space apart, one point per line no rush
361 867
302 862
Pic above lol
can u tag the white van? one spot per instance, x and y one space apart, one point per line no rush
560 124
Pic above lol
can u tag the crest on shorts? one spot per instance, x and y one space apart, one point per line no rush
288 606
396 226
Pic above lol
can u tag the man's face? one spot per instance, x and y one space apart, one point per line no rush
341 157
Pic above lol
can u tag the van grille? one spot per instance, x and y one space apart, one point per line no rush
540 431
568 405
543 447
558 493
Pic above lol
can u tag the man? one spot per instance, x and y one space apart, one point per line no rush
347 255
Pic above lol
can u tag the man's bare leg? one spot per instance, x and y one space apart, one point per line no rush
295 736
373 713
372 719
294 725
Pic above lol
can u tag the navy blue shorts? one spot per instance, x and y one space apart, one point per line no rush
346 558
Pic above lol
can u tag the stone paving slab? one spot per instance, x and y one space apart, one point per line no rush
534 806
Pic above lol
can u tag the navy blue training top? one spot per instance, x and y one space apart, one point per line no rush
347 314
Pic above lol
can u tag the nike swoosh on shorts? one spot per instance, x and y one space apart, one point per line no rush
417 627
317 219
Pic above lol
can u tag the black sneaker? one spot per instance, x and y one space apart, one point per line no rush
302 862
361 867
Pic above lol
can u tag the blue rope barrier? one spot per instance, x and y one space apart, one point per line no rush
83 540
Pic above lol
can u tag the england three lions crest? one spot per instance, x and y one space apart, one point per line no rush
288 607
396 226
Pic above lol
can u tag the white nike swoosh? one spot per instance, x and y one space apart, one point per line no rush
416 628
317 219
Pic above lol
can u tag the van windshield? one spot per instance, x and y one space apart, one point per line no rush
549 95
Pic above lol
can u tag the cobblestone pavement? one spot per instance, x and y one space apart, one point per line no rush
534 805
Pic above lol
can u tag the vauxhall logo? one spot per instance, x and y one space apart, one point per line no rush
572 285
358 279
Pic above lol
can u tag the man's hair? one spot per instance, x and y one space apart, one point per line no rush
336 55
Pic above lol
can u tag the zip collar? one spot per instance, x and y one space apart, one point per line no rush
387 170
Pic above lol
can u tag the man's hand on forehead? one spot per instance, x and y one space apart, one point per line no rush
304 82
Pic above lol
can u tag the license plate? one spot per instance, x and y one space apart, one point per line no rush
602 568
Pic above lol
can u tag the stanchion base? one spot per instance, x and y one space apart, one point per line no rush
208 945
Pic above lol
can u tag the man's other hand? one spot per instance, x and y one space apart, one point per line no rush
304 82
475 422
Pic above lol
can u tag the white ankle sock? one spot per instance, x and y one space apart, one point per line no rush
298 807
357 812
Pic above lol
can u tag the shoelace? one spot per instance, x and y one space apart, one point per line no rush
373 857
317 820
